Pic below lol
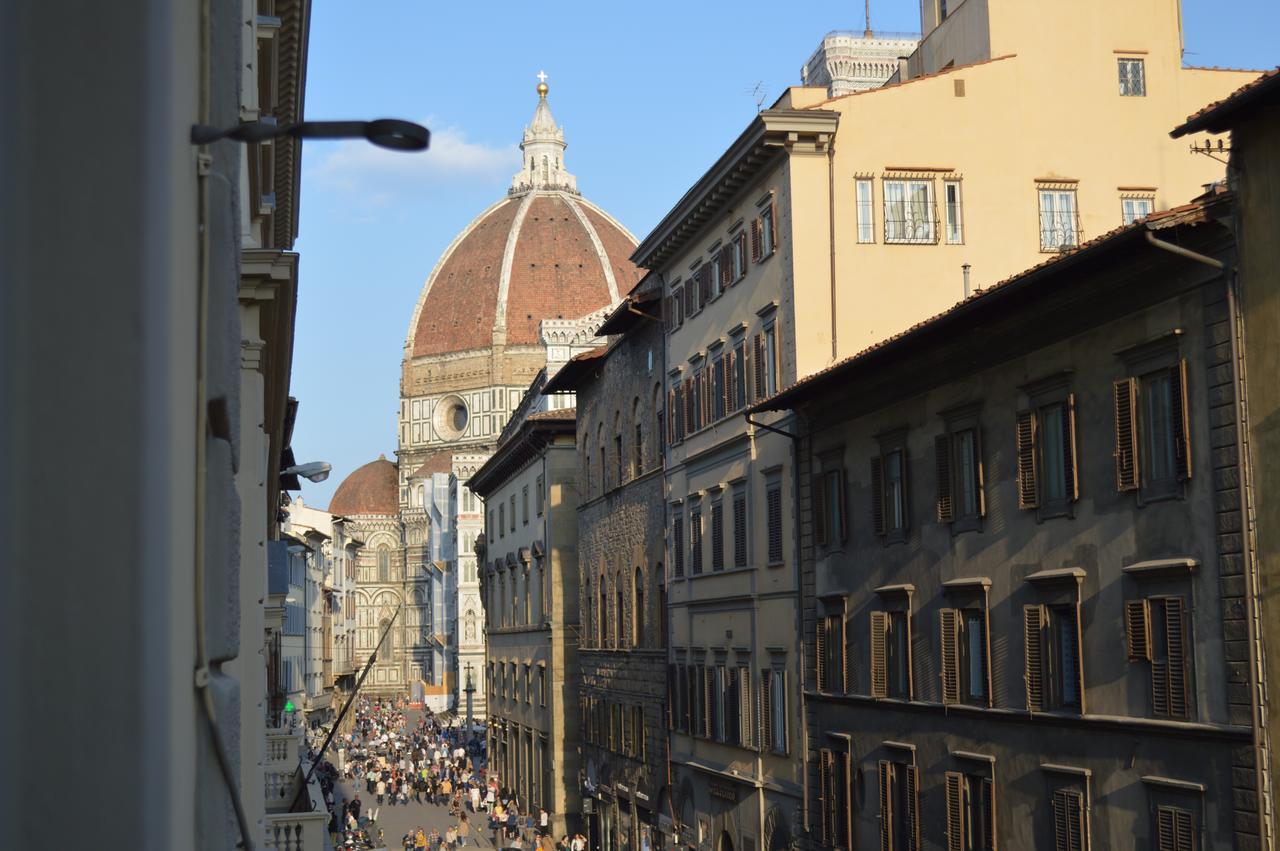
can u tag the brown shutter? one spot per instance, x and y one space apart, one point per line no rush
745 697
879 672
955 811
773 226
989 797
840 505
820 508
1181 414
1070 475
912 805
886 805
729 358
1175 628
726 265
846 675
708 699
761 367
824 794
1033 628
1068 820
755 240
1028 486
1125 393
949 628
820 642
1137 619
942 459
877 495
748 371
980 480
765 725
1166 839
704 282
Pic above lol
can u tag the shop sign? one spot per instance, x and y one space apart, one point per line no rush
724 791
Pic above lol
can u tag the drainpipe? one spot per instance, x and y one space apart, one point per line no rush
831 239
1257 699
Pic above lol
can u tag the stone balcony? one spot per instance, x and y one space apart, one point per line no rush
289 826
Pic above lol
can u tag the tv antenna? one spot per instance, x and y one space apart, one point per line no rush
757 93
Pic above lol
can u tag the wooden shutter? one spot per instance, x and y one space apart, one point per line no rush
761 367
730 357
820 642
820 497
912 805
745 697
877 495
1028 485
1137 620
748 371
955 811
1125 393
773 226
1070 474
840 506
979 474
886 805
942 460
1068 820
989 799
1181 415
764 739
708 700
949 628
1175 829
741 243
704 282
688 405
1033 620
1176 654
879 659
825 796
726 265
755 240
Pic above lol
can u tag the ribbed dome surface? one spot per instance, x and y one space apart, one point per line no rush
543 254
371 489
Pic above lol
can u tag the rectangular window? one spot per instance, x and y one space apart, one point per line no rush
1046 450
772 360
773 510
677 544
695 540
966 656
1151 418
717 535
541 497
909 215
829 525
899 806
1133 208
1175 829
866 212
739 257
713 265
502 520
830 653
1157 634
740 528
677 307
768 231
958 460
889 517
1133 78
690 299
542 685
513 512
891 655
1053 670
1070 829
718 687
1059 224
637 449
971 812
835 793
954 220
739 376
776 701
524 505
718 395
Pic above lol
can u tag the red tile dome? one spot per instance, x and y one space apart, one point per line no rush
371 489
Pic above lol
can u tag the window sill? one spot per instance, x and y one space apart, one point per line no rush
776 564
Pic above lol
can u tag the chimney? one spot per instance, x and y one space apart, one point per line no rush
902 69
965 268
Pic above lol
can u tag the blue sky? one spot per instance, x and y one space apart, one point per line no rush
649 95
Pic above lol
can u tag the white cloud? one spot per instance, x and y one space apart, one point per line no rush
379 174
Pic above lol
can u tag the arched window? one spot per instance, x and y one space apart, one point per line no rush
603 621
586 614
384 563
659 428
637 611
637 447
620 622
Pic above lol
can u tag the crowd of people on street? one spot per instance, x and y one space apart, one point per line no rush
435 762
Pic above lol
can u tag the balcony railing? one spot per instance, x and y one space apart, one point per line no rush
302 829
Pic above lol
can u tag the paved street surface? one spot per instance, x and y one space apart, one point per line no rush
398 820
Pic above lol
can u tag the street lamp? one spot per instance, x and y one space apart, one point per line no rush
316 471
470 689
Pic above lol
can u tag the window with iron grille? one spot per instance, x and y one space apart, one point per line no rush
1133 77
954 218
909 211
1059 221
864 192
1134 207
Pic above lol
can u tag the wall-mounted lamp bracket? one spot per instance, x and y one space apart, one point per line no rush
385 132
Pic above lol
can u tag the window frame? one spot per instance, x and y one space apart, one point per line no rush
907 224
1129 85
952 212
1066 222
864 209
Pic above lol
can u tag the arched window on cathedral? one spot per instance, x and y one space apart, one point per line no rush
620 621
637 610
384 564
602 637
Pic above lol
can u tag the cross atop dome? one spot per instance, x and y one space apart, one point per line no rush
543 148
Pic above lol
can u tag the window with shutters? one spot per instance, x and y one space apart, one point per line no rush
770 361
1046 452
966 656
691 305
738 376
889 514
695 539
745 697
718 389
513 512
637 448
1157 633
777 710
1053 668
732 707
715 273
540 498
677 542
866 210
1152 425
891 669
1070 820
899 789
971 812
718 686
738 257
740 525
717 534
831 650
524 505
830 524
835 793
768 231
958 462
1174 828
773 518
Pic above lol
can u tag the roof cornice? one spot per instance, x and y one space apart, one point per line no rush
773 132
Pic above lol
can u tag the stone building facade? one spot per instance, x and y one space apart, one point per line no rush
622 653
529 584
1025 614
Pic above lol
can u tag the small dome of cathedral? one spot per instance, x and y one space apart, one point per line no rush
543 252
371 489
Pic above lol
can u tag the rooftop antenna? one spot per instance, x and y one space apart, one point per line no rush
757 92
866 33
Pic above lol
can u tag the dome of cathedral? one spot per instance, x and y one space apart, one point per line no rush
543 252
371 489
